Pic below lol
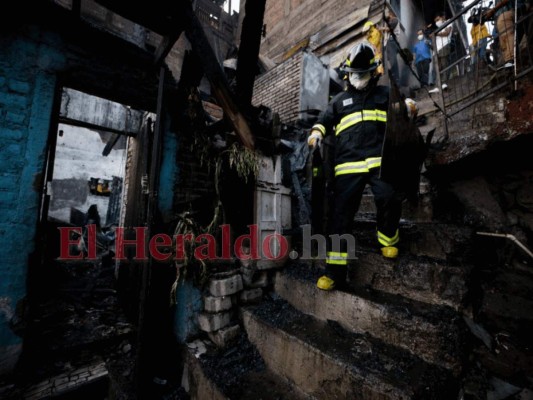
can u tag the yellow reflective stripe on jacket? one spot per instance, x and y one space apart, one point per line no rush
388 241
337 258
359 116
358 167
319 127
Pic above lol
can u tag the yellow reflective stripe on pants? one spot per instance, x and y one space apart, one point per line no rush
359 116
358 167
337 258
388 241
319 127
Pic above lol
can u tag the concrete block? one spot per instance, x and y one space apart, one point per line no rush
8 198
251 296
15 118
9 182
11 151
216 304
12 134
19 86
224 336
213 322
225 286
254 279
13 100
60 380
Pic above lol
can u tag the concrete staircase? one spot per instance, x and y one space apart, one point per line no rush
396 332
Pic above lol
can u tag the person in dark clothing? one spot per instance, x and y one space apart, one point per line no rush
358 118
422 51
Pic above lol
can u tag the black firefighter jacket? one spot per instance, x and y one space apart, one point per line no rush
358 119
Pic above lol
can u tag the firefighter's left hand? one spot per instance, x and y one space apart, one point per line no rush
314 139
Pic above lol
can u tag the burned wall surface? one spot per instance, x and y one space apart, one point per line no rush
290 21
37 57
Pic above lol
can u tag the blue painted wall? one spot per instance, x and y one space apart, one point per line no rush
27 86
33 61
189 303
168 172
189 300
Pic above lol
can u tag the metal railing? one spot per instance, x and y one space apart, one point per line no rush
467 76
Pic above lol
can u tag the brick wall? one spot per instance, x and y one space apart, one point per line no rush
279 89
24 117
289 21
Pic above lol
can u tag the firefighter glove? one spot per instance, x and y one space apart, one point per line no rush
314 138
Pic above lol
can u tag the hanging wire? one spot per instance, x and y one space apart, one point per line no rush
407 62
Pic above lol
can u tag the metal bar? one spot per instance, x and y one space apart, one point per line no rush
439 85
480 97
454 63
510 237
88 125
463 38
525 72
452 20
515 44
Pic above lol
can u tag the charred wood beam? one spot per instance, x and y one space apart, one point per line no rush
252 27
203 50
158 15
94 127
76 8
165 46
109 146
145 347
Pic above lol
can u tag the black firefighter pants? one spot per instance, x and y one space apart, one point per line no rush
348 192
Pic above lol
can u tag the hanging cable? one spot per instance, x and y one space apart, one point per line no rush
408 64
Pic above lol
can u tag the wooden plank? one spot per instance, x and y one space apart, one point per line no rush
252 27
145 347
203 50
88 125
110 144
339 28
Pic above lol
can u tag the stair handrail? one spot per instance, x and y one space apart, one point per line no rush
510 237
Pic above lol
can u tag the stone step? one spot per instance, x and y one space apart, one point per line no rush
445 242
327 362
237 372
431 332
417 278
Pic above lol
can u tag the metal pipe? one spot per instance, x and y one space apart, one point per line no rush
515 44
510 237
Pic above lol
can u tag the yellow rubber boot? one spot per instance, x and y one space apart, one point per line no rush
389 251
325 283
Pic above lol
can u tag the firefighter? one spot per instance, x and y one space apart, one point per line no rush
358 118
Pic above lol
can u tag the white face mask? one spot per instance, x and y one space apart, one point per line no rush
359 81
439 23
420 37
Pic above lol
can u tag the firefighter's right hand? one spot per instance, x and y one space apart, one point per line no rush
314 138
